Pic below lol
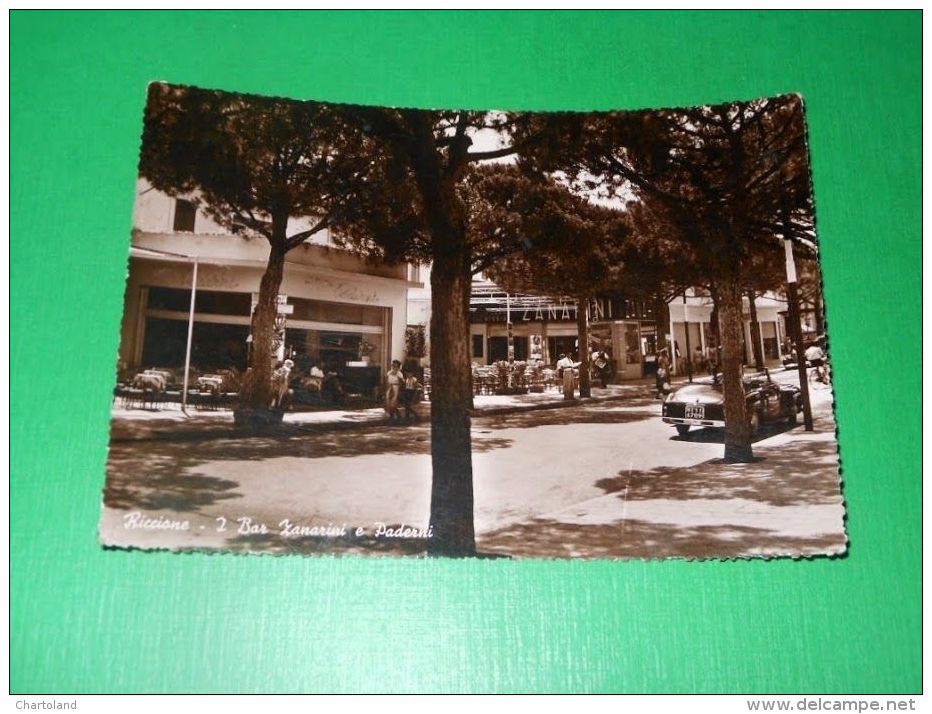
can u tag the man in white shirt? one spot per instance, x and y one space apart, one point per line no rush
816 359
814 355
565 367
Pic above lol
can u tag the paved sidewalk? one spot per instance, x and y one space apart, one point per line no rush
170 422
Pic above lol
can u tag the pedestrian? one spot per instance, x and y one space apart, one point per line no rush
409 396
566 368
698 359
280 378
663 381
314 381
562 364
662 376
715 359
600 362
394 380
816 359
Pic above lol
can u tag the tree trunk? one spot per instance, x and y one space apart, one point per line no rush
451 495
582 330
737 425
755 333
451 498
256 397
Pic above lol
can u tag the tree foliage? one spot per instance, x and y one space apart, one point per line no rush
574 248
253 164
246 160
728 180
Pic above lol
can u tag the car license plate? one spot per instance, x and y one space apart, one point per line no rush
695 411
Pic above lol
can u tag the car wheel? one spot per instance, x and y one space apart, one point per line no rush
682 429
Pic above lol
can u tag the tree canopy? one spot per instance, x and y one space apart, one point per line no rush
246 160
253 164
728 182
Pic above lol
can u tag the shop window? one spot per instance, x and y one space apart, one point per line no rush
185 216
477 344
213 302
561 345
521 344
331 351
214 346
498 349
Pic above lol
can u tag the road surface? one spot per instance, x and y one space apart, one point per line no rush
592 480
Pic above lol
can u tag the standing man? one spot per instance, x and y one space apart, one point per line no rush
394 381
662 378
600 362
566 367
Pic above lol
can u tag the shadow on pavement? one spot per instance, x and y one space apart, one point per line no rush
154 479
716 435
801 472
639 539
153 475
595 413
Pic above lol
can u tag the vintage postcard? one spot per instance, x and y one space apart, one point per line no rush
378 331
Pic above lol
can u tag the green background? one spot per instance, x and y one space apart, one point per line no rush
88 620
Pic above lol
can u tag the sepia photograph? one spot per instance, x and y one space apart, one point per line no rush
362 330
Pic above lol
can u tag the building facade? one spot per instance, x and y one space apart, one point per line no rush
543 328
339 311
691 326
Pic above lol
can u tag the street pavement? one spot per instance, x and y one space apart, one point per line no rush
169 421
597 478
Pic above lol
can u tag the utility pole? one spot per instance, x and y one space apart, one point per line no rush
689 358
187 351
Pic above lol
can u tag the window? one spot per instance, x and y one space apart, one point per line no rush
208 301
185 214
498 348
477 341
214 346
521 344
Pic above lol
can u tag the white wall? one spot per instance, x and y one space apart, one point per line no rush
154 212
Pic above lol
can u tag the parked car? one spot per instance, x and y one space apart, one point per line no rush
702 403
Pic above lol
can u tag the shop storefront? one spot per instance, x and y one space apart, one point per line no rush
316 332
338 312
691 325
536 328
